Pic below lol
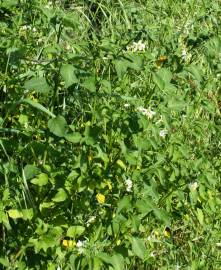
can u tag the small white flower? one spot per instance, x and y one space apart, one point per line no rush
126 105
150 113
147 112
34 29
136 46
153 254
25 27
141 109
184 54
140 46
49 5
163 133
129 185
177 267
58 268
39 40
68 47
91 220
193 186
80 246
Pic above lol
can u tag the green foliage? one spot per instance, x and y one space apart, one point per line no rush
110 135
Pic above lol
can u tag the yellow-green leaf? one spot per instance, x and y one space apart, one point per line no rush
14 213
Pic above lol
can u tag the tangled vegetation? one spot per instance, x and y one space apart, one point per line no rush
110 134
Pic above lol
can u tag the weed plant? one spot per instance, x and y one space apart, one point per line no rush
110 134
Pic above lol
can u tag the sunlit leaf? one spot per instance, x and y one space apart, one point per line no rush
37 84
60 196
138 247
58 126
15 213
41 180
68 74
74 231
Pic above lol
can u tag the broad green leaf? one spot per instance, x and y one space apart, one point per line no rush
68 74
37 106
131 157
58 126
162 78
70 19
9 3
23 119
162 215
74 137
97 263
37 84
45 205
144 206
104 257
4 262
138 247
74 231
165 75
27 214
212 179
132 61
41 180
158 81
102 155
44 242
91 134
170 89
48 12
135 61
117 262
195 71
90 84
121 67
60 196
124 204
15 213
30 171
135 223
176 104
106 86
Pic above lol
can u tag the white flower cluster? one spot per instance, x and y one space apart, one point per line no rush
147 112
81 246
186 56
163 133
137 46
49 5
91 220
129 185
126 105
193 186
28 27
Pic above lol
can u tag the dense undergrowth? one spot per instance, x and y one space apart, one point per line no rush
110 134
